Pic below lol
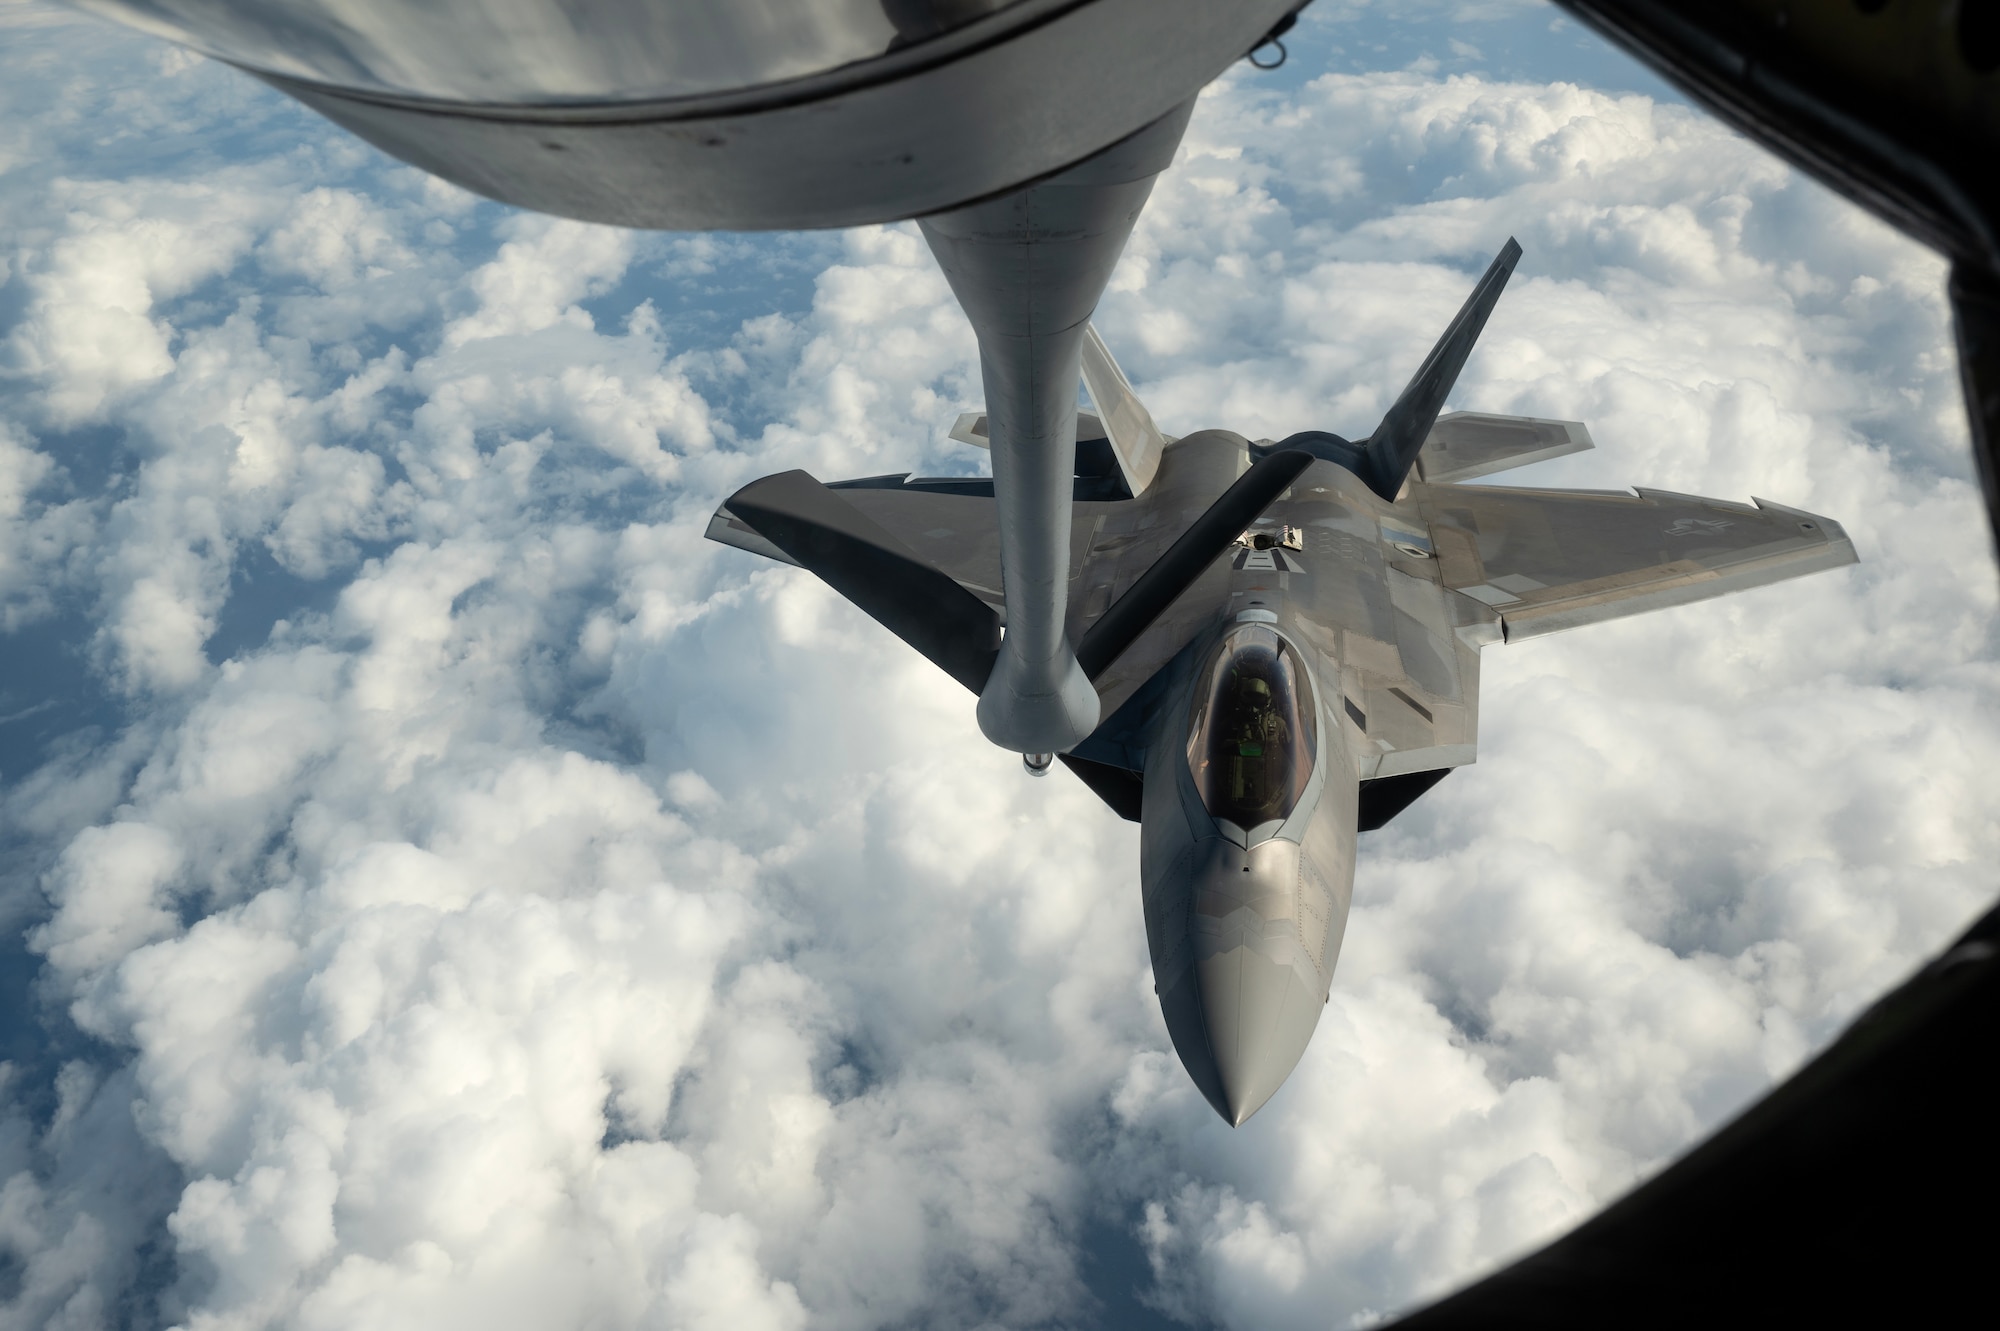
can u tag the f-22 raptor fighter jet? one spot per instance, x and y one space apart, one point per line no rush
1285 638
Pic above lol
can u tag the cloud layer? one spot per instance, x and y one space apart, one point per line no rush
447 890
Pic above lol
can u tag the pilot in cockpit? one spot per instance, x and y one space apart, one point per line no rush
1259 735
1250 739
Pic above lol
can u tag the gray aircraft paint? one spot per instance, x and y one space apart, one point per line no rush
1388 605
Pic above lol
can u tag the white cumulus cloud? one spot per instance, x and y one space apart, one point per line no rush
476 899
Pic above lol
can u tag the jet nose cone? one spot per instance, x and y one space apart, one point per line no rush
1240 992
1240 1022
1256 1017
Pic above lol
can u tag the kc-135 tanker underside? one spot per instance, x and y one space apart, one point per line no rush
1284 639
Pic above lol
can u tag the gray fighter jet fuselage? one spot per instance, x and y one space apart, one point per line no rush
1254 750
1310 667
1258 650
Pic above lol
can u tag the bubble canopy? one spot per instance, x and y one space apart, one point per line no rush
1252 738
525 52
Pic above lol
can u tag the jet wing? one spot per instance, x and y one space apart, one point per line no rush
948 522
1547 560
1111 545
958 534
952 525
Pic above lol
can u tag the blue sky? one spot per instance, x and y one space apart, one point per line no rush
440 887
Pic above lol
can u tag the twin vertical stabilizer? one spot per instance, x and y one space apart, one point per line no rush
1384 459
1135 441
1392 450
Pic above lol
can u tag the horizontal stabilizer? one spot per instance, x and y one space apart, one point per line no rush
1188 558
862 561
1465 444
1101 474
970 428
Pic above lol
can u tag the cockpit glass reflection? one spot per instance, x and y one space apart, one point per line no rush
1252 741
